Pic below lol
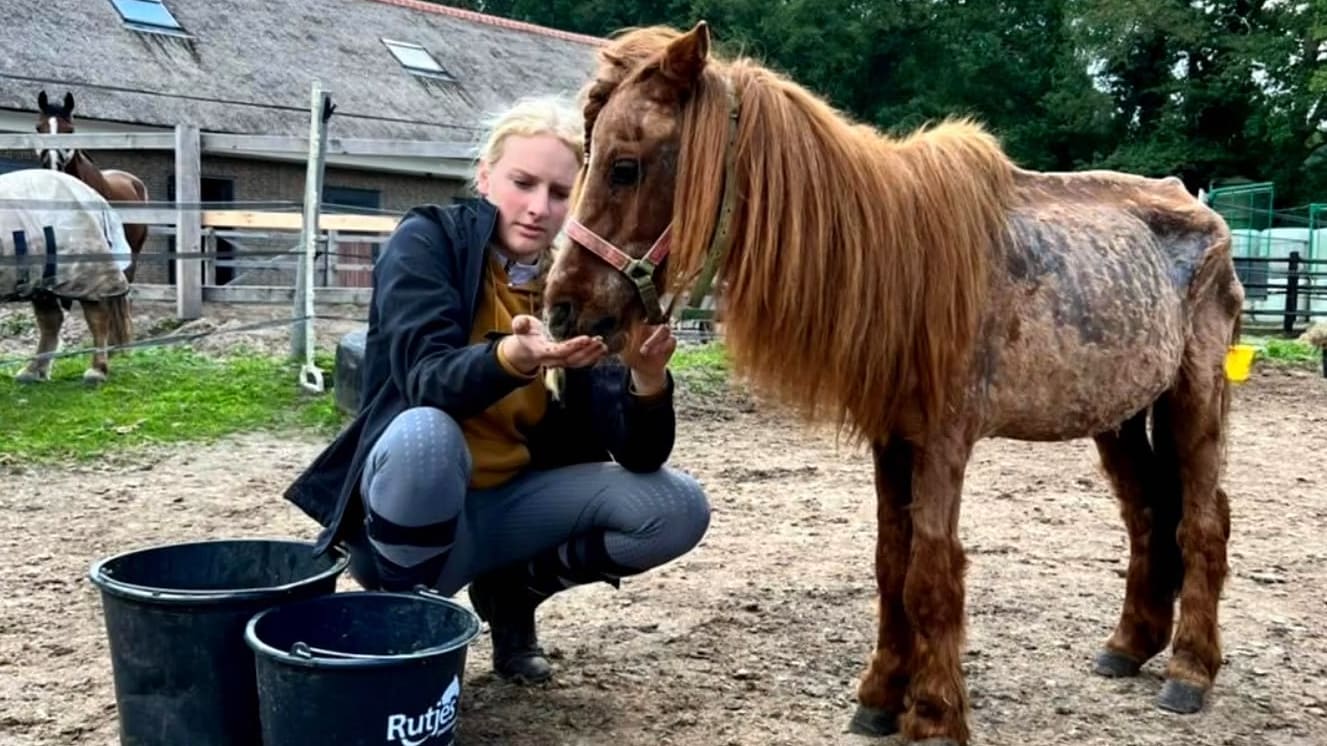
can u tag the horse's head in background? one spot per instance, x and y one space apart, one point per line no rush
113 184
53 120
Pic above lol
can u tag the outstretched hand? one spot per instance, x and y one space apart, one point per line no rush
648 360
529 348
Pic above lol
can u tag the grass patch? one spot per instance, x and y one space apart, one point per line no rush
701 369
155 396
1290 351
1280 351
13 326
166 395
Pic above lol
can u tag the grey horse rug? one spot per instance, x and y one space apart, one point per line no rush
59 236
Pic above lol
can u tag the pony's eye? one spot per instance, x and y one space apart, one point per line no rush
625 172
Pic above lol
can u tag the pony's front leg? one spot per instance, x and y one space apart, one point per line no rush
933 595
49 319
880 694
100 327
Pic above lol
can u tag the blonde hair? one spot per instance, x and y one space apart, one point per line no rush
531 116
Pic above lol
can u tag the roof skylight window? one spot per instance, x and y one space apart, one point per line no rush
416 59
147 15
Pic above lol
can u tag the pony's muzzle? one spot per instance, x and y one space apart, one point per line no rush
605 326
565 321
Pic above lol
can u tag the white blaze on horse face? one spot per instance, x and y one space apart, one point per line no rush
51 156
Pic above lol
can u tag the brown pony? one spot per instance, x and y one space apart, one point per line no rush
924 293
115 186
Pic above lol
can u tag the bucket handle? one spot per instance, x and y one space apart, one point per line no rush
308 652
425 590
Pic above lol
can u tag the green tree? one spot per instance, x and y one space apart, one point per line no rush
1210 91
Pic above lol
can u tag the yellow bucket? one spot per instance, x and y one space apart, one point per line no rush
1239 362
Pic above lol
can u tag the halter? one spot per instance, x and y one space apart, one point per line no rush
641 271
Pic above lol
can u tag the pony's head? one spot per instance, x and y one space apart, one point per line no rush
835 243
51 120
610 279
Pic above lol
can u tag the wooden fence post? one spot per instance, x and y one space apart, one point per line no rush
188 223
210 262
329 256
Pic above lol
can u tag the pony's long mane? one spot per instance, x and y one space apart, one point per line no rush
858 270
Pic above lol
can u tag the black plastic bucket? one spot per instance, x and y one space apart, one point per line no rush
366 667
175 619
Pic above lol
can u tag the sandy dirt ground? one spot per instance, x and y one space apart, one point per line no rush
758 636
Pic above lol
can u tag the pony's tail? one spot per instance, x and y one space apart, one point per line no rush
140 234
120 321
1166 479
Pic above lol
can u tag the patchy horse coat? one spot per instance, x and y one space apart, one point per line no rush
1115 308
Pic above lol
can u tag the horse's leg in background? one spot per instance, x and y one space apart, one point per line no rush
49 319
1198 407
135 235
933 591
129 188
1150 505
880 692
99 325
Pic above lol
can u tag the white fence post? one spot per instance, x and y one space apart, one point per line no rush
302 341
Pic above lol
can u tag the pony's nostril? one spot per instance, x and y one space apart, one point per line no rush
560 318
559 313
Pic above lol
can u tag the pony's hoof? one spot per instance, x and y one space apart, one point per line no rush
28 376
1115 665
872 721
93 377
1181 697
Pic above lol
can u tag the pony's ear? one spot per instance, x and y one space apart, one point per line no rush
42 102
69 104
684 59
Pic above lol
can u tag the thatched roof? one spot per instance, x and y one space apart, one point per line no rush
247 65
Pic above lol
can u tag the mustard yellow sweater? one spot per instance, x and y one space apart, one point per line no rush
496 436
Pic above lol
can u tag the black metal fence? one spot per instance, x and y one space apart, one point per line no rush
1290 290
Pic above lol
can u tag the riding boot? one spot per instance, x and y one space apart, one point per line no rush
507 599
502 599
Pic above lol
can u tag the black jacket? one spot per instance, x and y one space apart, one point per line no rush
417 353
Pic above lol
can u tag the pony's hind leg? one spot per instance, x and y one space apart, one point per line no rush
883 685
1150 505
49 319
1194 434
100 327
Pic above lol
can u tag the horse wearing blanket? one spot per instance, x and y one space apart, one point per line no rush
925 293
60 241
